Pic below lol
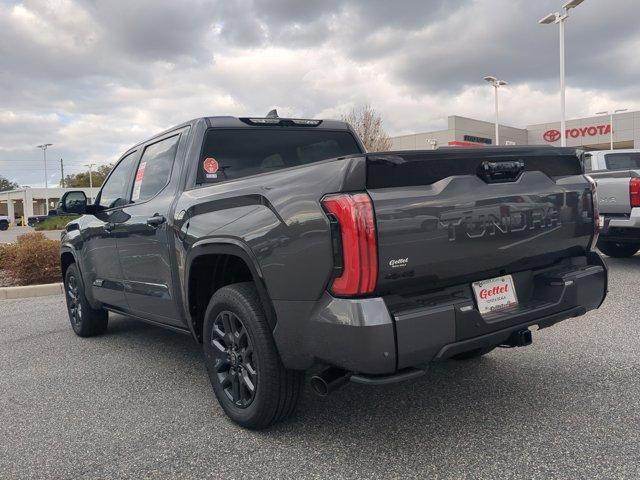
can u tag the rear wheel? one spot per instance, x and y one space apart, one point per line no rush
248 378
618 250
85 321
475 353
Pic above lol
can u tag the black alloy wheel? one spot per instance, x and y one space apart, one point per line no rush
85 320
235 364
73 301
247 375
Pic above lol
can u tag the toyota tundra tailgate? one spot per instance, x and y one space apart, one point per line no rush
450 216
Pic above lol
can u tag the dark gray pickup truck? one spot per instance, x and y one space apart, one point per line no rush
283 247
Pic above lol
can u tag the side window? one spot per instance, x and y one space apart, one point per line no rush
114 192
154 169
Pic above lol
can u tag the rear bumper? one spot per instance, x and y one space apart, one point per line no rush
383 336
622 229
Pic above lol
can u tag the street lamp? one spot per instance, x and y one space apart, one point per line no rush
90 165
496 84
560 18
44 147
611 114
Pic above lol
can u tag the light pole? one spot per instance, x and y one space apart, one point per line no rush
493 81
44 147
560 18
611 114
90 165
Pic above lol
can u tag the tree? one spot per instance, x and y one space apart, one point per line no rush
78 180
367 123
6 184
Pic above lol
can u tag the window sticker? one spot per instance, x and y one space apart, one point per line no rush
138 182
210 167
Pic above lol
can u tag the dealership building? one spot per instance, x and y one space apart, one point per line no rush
591 133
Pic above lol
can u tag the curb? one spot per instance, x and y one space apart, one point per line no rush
29 291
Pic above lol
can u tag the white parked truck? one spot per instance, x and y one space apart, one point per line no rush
617 173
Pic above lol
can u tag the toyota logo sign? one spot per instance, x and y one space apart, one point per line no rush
551 135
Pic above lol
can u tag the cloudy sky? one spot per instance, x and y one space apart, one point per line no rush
95 76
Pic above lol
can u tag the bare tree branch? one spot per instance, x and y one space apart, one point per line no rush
367 123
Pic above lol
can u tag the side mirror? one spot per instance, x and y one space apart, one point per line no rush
74 202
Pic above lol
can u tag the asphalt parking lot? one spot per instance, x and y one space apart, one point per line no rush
137 403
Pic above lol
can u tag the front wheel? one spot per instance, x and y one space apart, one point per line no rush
618 250
247 376
4 225
85 321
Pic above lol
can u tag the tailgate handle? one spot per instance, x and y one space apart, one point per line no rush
494 172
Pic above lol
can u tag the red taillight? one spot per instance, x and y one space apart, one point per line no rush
634 192
354 214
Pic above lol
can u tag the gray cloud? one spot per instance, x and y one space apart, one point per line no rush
140 29
93 77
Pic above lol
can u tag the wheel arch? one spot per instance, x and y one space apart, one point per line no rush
67 257
214 250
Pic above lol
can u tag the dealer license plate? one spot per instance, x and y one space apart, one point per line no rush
495 294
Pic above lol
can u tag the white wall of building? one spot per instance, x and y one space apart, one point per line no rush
478 128
458 128
626 131
420 141
588 132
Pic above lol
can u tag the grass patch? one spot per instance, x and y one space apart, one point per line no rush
57 222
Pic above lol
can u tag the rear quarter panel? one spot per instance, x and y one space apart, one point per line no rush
277 216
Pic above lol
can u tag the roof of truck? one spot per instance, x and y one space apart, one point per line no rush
619 150
241 122
244 122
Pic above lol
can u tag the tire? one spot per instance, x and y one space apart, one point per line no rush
4 225
618 250
475 353
240 353
85 321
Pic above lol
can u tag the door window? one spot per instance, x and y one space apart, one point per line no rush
114 191
154 169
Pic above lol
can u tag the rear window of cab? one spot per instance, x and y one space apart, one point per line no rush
622 161
235 153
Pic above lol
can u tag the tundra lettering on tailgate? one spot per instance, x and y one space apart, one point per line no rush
504 220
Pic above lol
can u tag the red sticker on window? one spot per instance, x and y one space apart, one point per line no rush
210 165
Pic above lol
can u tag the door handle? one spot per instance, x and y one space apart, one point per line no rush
108 227
156 221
